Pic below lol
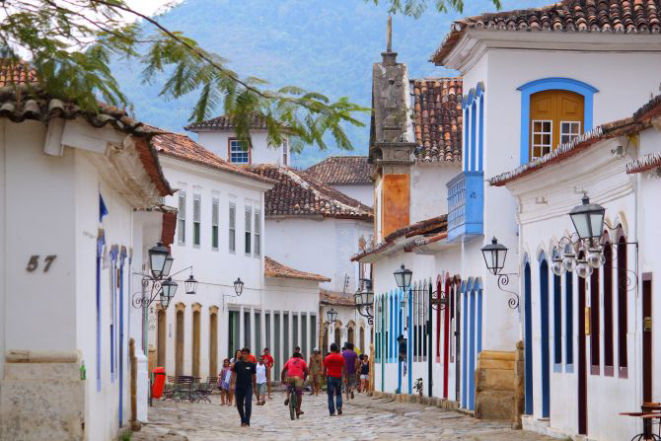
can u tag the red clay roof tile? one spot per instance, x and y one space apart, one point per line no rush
343 170
273 268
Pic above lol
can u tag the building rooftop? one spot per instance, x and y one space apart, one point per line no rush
182 147
343 170
299 194
437 119
273 268
225 123
594 16
331 298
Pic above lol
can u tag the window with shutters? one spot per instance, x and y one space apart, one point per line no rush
197 214
248 231
556 117
181 218
258 233
215 216
232 227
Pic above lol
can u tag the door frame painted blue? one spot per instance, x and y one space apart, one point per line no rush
409 356
399 332
473 350
122 259
527 286
464 382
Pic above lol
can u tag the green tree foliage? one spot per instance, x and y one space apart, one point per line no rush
416 8
70 44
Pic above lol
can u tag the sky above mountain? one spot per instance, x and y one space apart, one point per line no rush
320 45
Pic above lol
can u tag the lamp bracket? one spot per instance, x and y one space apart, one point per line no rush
142 299
504 280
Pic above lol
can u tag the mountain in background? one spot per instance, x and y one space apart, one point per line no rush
326 46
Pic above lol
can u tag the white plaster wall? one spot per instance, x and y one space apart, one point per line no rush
218 143
429 192
362 193
323 246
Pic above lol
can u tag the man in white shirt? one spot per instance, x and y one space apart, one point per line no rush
261 382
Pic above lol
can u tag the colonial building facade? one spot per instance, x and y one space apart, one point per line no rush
521 94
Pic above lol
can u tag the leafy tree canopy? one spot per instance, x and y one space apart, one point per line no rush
416 8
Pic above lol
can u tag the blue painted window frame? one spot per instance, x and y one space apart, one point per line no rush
553 83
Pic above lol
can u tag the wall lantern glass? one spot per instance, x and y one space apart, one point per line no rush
169 288
157 259
583 269
238 286
168 266
557 266
494 256
191 285
331 315
165 301
403 277
588 219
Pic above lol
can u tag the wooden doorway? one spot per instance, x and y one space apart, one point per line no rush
647 338
179 342
582 361
196 350
213 341
161 338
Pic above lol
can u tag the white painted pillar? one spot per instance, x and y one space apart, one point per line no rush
280 359
223 335
242 342
262 332
291 343
253 337
299 326
271 343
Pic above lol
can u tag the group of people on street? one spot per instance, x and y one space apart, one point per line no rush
244 375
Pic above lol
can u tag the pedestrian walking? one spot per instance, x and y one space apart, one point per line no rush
350 358
224 378
268 360
334 370
365 374
261 370
245 372
316 365
233 360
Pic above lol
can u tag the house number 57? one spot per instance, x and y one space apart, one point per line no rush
33 263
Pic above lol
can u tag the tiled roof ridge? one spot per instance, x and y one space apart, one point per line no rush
644 163
342 170
617 16
273 268
224 122
333 298
299 194
199 154
640 120
436 225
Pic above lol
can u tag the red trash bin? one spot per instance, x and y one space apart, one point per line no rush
159 382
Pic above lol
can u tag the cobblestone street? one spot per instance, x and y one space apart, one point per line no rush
363 419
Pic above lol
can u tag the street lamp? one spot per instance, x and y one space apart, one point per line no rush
168 266
494 256
238 286
403 277
364 298
169 288
157 260
588 219
191 285
331 315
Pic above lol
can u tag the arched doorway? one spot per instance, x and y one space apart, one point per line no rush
546 351
324 349
363 349
350 334
161 338
527 286
338 337
196 352
213 341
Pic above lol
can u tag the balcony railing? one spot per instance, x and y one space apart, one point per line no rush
465 205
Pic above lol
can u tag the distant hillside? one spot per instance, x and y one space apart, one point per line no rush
321 45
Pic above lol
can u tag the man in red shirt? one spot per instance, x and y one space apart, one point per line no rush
268 360
334 370
296 370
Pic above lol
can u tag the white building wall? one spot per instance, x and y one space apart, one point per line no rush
261 153
362 193
324 246
429 194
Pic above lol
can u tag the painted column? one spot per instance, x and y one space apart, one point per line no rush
281 355
472 354
253 326
464 380
262 332
409 357
242 343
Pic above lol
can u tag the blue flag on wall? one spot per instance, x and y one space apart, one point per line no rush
103 210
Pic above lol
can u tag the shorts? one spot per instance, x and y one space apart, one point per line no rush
364 377
315 379
297 382
261 389
351 380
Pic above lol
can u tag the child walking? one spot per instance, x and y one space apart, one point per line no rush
224 380
261 381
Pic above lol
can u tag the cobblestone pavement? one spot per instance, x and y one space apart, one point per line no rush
363 419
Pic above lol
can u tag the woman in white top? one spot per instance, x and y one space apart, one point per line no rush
261 382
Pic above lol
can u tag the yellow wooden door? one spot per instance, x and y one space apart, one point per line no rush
556 117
